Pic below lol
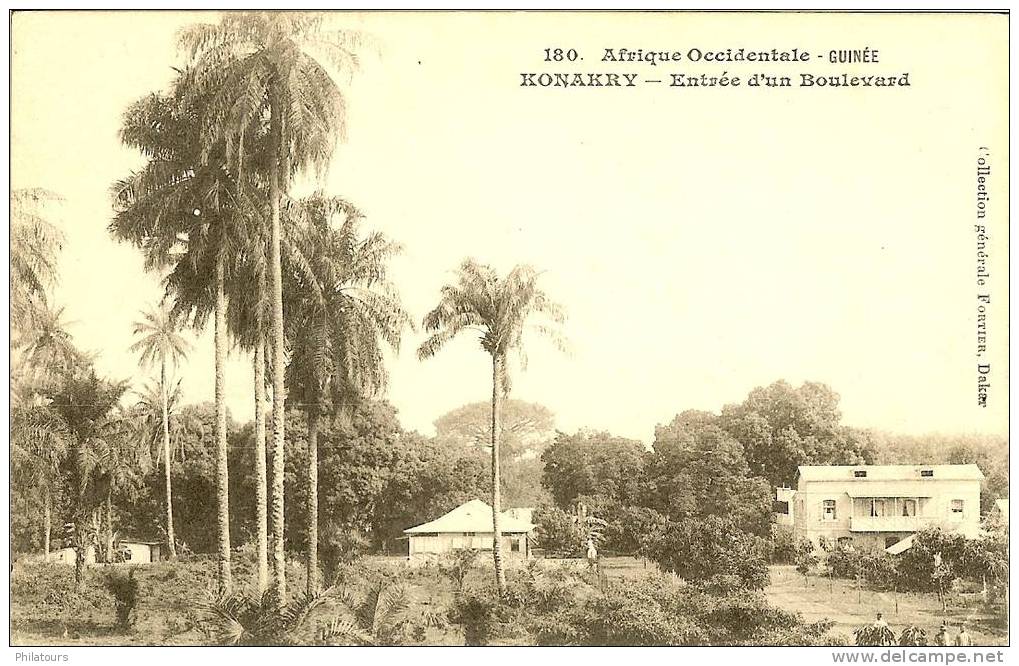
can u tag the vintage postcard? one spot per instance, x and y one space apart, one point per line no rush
510 328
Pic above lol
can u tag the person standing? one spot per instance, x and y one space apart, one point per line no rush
963 639
592 554
942 639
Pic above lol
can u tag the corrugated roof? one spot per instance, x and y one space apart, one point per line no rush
889 472
474 516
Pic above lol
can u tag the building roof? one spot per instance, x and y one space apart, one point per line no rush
474 516
889 472
1002 506
900 546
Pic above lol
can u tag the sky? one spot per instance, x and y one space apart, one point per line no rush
702 242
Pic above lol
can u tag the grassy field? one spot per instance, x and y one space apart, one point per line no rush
45 612
849 607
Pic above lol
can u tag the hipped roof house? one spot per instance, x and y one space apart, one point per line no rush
469 526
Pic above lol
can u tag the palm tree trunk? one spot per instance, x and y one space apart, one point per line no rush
312 501
261 517
278 389
170 537
109 525
46 519
497 382
222 471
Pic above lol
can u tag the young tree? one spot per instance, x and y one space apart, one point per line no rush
87 405
159 343
499 312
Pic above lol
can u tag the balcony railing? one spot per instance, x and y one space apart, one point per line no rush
890 523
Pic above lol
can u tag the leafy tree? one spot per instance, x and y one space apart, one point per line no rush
158 343
593 464
263 75
697 469
715 553
528 428
782 427
499 311
559 532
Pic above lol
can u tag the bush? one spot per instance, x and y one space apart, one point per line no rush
874 635
715 553
879 569
559 532
457 564
913 636
478 615
663 611
125 589
783 545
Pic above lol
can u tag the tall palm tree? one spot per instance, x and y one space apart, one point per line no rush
35 243
497 310
158 342
182 210
270 64
341 311
247 316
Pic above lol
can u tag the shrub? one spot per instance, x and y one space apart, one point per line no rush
783 545
478 615
559 532
874 635
457 564
913 636
713 552
125 589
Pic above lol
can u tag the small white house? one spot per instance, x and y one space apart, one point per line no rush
470 526
127 551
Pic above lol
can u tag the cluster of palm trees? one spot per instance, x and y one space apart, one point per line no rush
292 281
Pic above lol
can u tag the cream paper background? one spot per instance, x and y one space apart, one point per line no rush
704 241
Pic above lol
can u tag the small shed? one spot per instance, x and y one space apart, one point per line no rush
137 551
470 526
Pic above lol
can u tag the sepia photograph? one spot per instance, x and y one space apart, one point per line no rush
509 328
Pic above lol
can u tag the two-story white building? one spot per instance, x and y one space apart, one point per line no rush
880 506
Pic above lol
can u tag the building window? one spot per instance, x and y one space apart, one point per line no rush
778 506
957 507
860 473
877 508
909 507
515 546
926 472
470 534
828 509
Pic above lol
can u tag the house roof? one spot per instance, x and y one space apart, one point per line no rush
474 516
900 546
889 472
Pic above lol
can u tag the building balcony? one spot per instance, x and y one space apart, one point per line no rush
890 523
